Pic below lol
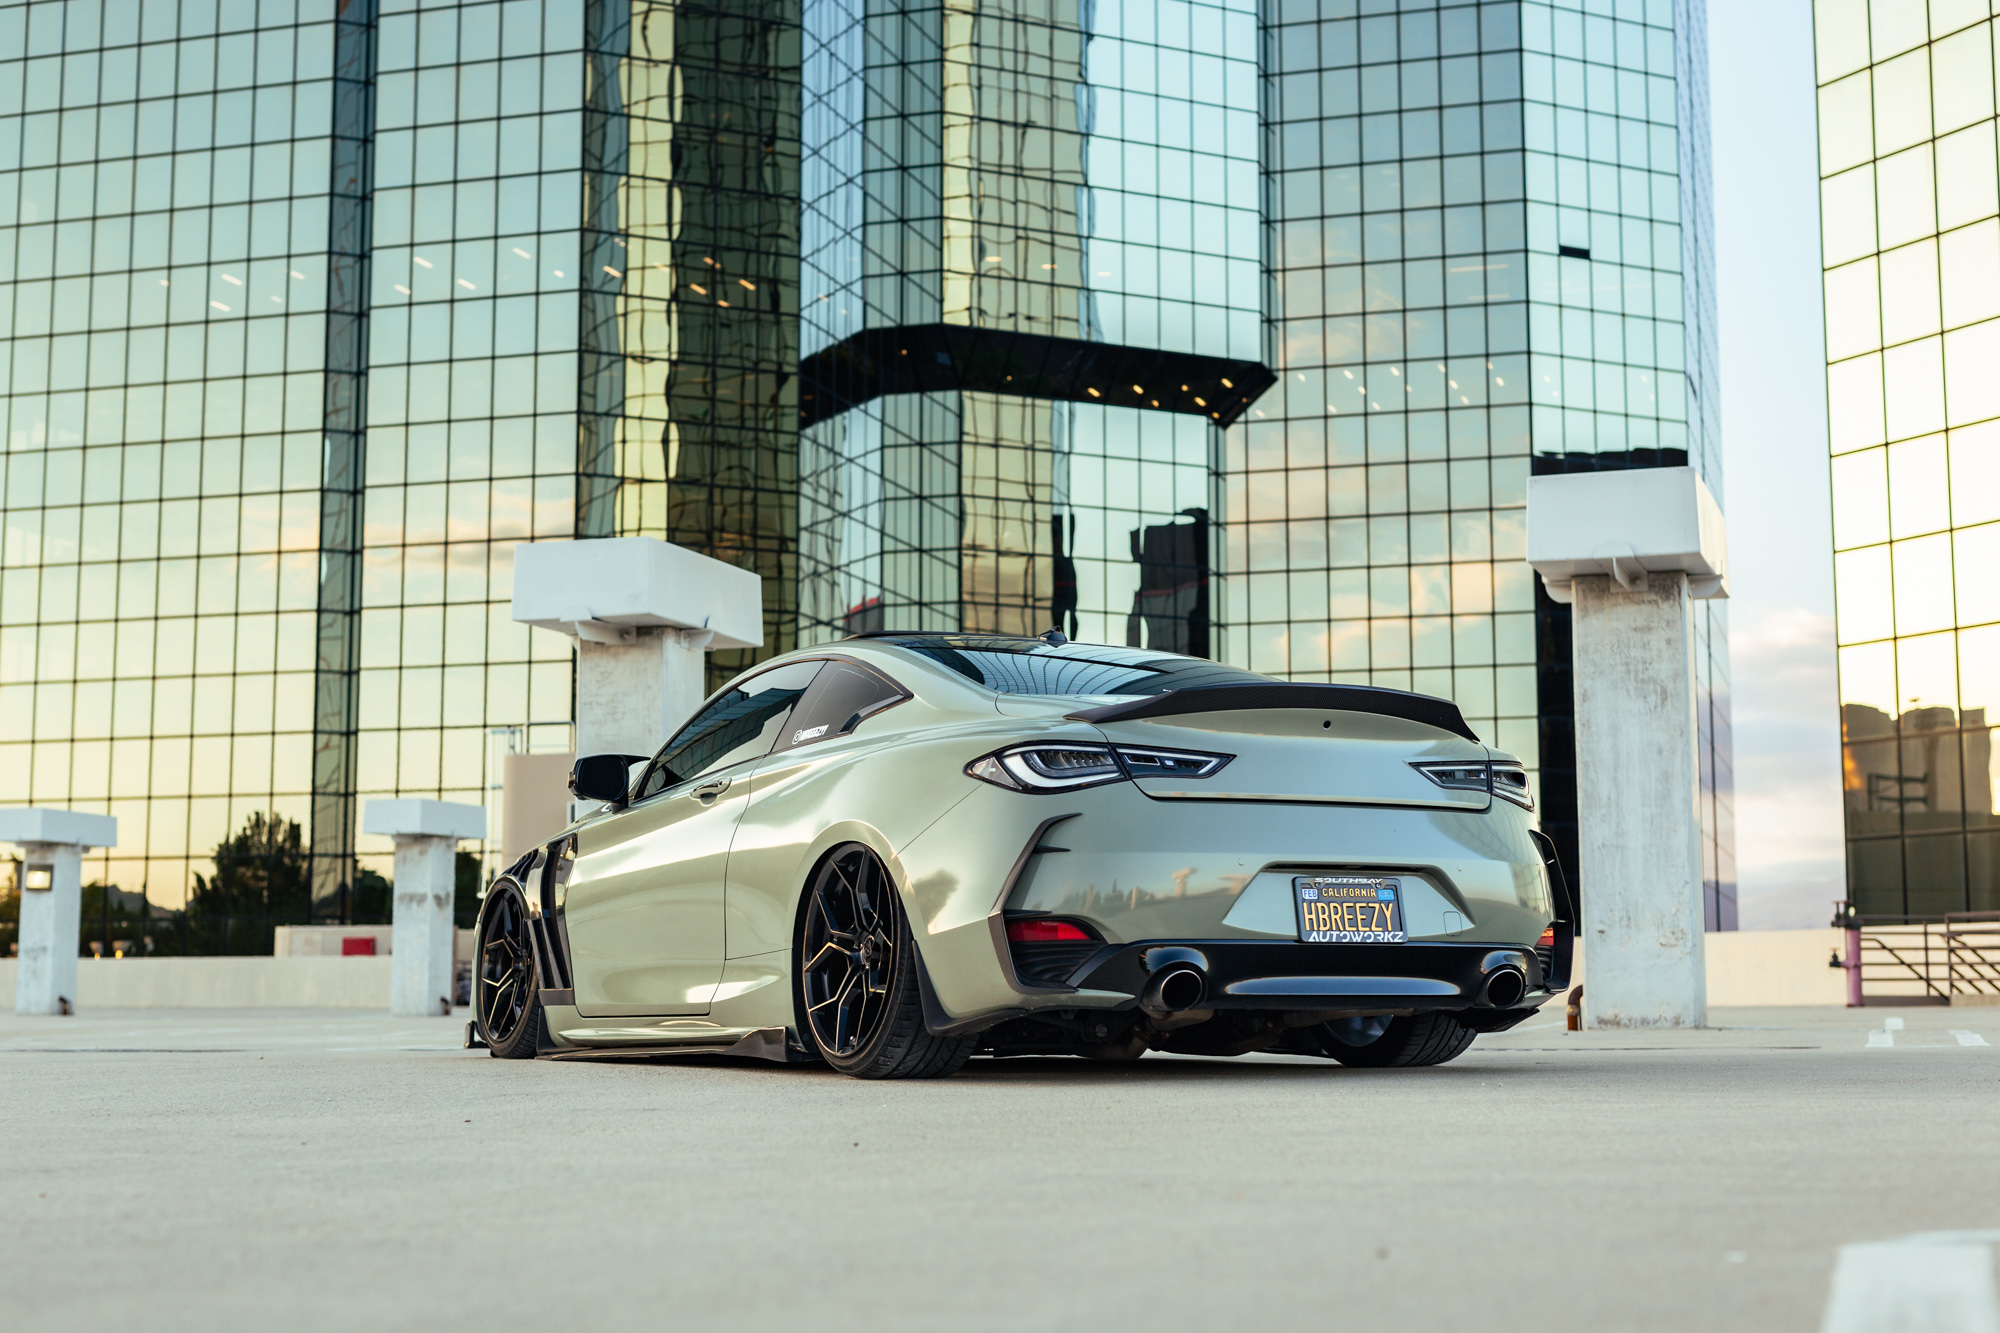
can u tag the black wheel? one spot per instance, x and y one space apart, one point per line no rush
506 1004
859 1004
1395 1043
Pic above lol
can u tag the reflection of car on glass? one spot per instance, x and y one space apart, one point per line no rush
897 851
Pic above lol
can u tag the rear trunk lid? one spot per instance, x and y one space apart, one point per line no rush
1297 744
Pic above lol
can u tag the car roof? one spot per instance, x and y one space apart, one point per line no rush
1209 685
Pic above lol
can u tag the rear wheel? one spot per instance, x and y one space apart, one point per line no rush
1398 1043
506 1001
859 1001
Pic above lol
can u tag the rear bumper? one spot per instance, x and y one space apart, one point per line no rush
1256 974
1210 875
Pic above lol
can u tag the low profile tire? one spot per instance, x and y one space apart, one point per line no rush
506 1002
859 1002
1418 1039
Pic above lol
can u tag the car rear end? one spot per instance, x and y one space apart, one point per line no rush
1246 858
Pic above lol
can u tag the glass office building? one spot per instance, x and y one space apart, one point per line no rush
315 310
1196 325
1912 252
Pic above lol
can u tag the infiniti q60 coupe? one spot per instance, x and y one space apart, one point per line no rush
901 850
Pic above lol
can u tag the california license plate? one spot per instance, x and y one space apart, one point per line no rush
1349 909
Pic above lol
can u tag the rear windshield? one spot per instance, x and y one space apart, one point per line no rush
1032 666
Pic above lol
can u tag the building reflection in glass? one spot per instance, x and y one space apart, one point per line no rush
1027 314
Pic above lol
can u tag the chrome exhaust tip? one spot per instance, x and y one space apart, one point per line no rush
1505 986
1174 989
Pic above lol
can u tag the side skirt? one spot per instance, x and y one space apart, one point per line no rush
764 1044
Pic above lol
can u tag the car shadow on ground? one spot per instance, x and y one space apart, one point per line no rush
1175 1068
1066 1070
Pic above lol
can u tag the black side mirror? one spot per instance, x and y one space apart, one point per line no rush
602 777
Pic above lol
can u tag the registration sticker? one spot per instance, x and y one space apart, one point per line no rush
1349 909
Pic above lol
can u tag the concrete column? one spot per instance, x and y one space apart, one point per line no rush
1638 793
420 974
632 694
643 613
51 902
52 844
426 834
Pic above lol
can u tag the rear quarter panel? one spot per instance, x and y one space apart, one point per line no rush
953 872
882 791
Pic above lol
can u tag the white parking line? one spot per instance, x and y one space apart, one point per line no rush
1937 1282
1967 1038
1886 1036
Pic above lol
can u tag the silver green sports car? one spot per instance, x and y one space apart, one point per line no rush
901 850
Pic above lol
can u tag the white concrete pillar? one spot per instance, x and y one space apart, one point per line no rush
52 845
420 979
643 613
1638 791
51 902
420 938
632 692
1632 550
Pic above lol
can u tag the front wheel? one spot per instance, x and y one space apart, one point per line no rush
859 1002
1399 1043
505 999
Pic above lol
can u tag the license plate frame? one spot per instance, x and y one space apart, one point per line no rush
1349 909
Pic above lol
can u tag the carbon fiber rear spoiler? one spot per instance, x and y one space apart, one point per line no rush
1427 709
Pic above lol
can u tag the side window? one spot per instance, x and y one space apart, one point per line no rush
736 725
841 696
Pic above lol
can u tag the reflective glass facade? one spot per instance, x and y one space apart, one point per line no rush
183 372
1911 244
1490 256
585 276
472 382
315 310
1031 299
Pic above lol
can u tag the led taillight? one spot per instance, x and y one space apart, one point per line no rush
1041 931
1548 939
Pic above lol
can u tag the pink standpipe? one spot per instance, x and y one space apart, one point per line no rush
1848 922
1854 968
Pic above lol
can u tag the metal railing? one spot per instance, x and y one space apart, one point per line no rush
1972 953
1929 961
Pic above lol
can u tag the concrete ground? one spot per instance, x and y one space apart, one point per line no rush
179 1169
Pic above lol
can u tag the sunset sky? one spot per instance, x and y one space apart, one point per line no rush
1762 106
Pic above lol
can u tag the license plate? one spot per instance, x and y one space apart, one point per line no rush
1349 909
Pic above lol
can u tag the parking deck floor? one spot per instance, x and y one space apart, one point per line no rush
212 1169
